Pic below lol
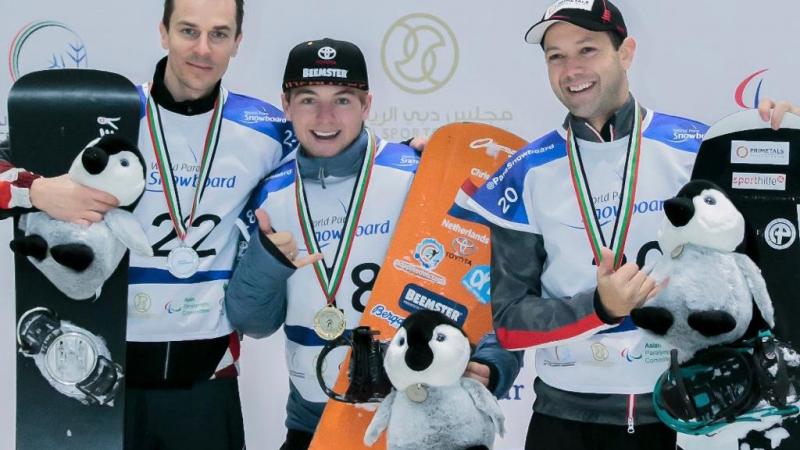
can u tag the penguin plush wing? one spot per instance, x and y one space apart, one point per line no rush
486 403
380 420
127 229
758 287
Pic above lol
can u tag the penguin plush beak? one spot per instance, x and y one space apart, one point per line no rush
679 210
429 348
419 355
94 160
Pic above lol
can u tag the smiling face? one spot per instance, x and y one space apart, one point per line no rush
326 118
586 72
200 41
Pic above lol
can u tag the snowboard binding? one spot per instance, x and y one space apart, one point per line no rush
752 380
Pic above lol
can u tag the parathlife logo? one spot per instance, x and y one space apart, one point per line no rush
45 45
419 53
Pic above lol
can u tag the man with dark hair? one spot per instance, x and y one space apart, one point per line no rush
343 178
182 351
169 7
574 217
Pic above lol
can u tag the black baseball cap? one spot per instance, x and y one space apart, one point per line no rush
326 61
593 15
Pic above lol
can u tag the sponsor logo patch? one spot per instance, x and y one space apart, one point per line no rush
780 234
464 231
187 307
760 152
477 282
326 72
429 253
416 298
759 181
599 352
419 272
141 302
387 315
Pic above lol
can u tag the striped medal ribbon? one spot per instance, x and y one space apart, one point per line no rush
329 322
182 261
626 199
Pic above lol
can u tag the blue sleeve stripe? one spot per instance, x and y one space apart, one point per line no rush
148 275
462 213
304 336
626 325
679 133
483 212
256 115
398 156
143 100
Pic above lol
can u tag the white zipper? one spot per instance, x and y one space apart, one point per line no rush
631 409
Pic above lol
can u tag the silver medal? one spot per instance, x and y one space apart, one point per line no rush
417 393
183 262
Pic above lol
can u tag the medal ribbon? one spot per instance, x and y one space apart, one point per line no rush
627 195
155 126
330 279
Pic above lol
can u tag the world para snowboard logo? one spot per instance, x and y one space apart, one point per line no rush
43 45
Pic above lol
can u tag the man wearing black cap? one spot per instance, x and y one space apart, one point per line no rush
574 218
341 197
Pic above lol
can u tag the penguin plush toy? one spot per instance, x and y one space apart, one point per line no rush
709 294
432 406
78 259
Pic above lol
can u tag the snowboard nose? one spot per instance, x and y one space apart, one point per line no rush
94 160
679 211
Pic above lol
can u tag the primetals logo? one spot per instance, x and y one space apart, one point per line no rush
46 45
419 53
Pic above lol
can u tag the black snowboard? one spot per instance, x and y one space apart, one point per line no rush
759 168
52 115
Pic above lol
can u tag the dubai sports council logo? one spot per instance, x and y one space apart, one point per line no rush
46 44
744 88
419 53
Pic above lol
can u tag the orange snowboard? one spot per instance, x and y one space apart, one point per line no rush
434 261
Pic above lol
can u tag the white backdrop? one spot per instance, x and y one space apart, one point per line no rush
693 57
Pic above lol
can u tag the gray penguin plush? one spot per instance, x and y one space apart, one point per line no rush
708 291
78 259
433 406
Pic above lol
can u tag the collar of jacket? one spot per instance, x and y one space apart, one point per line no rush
621 121
164 98
344 164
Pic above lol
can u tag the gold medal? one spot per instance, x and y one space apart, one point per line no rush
329 323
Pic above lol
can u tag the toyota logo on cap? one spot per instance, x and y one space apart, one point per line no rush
327 53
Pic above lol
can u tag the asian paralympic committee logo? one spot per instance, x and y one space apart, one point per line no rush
738 95
419 53
44 45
